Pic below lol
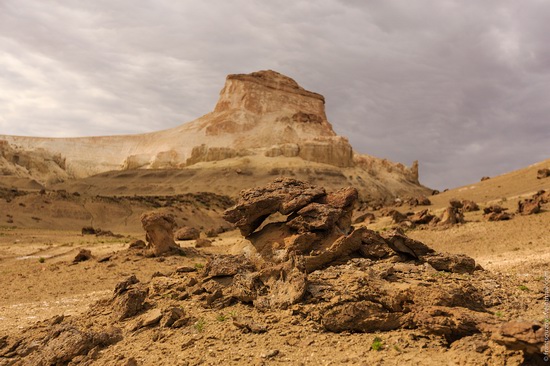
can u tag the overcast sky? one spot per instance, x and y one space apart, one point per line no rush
461 86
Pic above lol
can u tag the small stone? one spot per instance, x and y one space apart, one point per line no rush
270 354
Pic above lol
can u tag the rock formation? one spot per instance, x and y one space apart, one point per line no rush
160 235
288 123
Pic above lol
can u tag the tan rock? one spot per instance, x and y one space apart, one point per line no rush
451 216
160 235
187 233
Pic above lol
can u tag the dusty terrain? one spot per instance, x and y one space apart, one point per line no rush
334 258
41 282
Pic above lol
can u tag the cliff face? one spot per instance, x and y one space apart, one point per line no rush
262 114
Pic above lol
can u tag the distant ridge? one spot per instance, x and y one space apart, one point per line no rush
263 119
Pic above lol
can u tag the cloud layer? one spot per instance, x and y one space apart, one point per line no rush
461 86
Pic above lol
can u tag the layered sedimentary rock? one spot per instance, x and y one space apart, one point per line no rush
259 115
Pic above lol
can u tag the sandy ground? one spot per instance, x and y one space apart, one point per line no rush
39 280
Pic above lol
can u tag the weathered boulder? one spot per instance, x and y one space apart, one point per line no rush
469 206
187 233
129 302
456 263
83 255
421 217
227 265
374 246
366 218
160 235
528 206
520 335
496 213
543 173
397 217
402 244
203 243
451 216
419 201
284 195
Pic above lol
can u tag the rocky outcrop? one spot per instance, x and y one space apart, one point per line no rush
285 120
36 164
317 227
160 236
204 153
284 195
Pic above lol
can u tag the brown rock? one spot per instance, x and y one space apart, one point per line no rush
171 316
494 216
88 230
83 255
494 209
63 344
397 216
421 217
495 213
159 228
286 284
187 233
365 218
129 303
543 173
374 246
227 265
362 316
456 263
202 243
284 195
125 284
339 249
405 245
529 206
469 206
152 317
451 216
451 322
249 325
316 216
137 244
455 203
520 335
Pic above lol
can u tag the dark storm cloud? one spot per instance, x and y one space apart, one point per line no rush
461 86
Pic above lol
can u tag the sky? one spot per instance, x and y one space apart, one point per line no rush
461 86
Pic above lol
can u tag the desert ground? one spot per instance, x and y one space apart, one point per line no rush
43 287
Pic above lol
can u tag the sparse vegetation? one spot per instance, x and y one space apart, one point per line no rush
41 259
377 344
498 313
523 288
221 317
199 266
199 325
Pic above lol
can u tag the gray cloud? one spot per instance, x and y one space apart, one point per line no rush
462 87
